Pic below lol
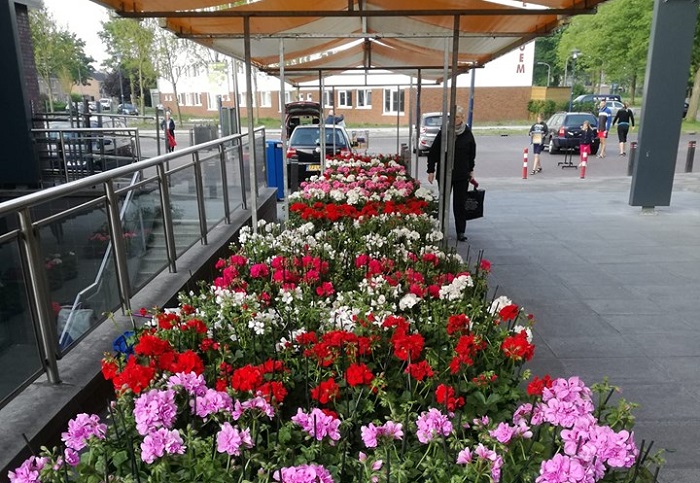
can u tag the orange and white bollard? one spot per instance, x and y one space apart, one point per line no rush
525 164
584 163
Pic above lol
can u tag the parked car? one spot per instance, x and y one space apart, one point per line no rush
301 113
430 124
685 108
305 147
106 103
614 106
128 109
565 131
596 98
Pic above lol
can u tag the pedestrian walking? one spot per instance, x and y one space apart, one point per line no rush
538 133
462 171
604 121
586 141
624 118
168 125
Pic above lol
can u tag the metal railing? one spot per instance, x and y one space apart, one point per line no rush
71 253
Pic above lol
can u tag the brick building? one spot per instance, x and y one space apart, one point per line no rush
502 90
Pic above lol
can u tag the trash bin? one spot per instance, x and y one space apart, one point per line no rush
275 163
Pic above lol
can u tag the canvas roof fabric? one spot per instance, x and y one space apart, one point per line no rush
401 36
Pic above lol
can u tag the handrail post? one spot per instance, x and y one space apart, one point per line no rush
115 228
199 187
241 168
224 183
167 218
48 340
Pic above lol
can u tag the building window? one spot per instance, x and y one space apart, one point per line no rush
194 99
344 99
393 101
364 98
309 97
182 99
287 99
328 99
265 99
242 100
212 102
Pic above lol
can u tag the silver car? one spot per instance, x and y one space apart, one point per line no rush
430 124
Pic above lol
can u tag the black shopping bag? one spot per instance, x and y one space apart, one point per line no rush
474 204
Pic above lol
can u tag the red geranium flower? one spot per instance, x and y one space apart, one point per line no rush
247 378
517 347
408 347
134 376
273 392
537 385
152 346
509 312
446 395
419 370
458 324
358 374
325 392
187 362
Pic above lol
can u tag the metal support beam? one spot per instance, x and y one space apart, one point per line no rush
668 64
283 137
470 119
253 158
167 218
444 192
39 286
118 245
451 135
247 14
419 89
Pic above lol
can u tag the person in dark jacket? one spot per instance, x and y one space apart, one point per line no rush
168 125
464 156
623 118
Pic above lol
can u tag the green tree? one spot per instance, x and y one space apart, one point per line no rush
694 101
546 51
58 53
174 55
130 44
613 43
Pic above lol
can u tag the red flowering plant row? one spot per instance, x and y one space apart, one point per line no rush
349 348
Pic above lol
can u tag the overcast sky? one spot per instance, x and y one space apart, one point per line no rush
84 18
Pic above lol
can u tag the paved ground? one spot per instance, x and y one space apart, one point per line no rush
613 290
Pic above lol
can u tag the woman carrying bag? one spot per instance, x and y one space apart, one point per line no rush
464 156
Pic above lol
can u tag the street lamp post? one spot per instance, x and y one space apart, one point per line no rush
574 54
549 71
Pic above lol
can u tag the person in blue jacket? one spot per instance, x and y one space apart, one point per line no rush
604 121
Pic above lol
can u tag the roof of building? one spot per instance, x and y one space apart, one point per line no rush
338 35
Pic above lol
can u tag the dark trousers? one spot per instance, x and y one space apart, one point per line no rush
459 197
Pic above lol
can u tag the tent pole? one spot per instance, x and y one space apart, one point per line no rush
251 128
283 133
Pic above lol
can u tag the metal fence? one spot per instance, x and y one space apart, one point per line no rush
71 253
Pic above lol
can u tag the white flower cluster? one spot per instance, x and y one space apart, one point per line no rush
455 290
424 194
519 328
287 297
408 301
284 344
342 318
498 304
262 321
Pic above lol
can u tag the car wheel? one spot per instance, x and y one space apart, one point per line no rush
552 148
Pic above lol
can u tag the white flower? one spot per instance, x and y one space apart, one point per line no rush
519 328
408 301
499 303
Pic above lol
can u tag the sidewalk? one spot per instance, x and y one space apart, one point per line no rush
613 291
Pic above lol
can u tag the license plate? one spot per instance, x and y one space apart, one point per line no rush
313 167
